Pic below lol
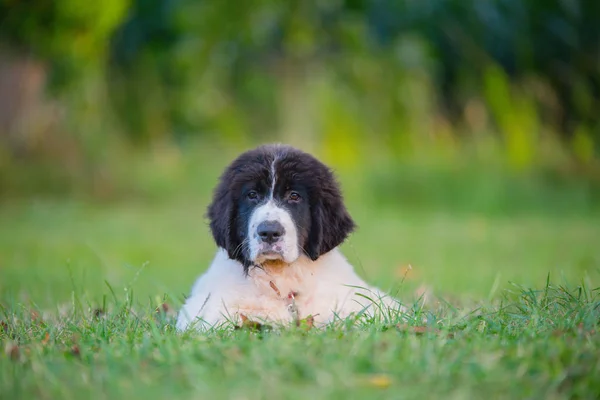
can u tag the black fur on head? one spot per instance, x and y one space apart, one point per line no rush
321 219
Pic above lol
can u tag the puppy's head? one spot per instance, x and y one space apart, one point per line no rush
278 203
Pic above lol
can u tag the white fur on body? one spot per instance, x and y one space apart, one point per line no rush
326 289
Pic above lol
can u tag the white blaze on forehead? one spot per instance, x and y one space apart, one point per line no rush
271 212
273 177
279 152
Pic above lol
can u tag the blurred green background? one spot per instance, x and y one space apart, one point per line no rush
465 134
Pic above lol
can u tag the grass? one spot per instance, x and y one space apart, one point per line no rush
540 344
80 284
49 249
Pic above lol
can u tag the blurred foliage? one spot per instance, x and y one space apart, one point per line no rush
65 33
350 79
204 55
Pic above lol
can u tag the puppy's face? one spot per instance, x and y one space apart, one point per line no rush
277 220
277 203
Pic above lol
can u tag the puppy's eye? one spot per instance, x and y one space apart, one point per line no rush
294 196
252 195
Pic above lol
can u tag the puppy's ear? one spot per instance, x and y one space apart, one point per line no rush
330 221
222 216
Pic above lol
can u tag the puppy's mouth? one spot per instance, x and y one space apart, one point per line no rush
271 261
269 253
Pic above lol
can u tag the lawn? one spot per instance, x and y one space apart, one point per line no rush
80 283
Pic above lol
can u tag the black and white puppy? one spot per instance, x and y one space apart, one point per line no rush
278 218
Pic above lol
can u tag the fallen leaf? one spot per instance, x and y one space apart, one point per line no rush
35 316
421 330
12 351
251 325
46 338
75 350
308 323
381 381
163 308
275 288
417 330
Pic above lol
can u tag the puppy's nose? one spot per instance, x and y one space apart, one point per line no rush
270 231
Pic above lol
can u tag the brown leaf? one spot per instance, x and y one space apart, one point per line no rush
98 312
75 351
275 288
3 326
422 330
251 325
46 338
417 330
35 316
12 351
308 323
163 308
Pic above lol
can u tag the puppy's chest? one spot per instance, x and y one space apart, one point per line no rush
281 295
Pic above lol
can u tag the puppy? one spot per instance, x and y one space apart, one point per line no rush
278 217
